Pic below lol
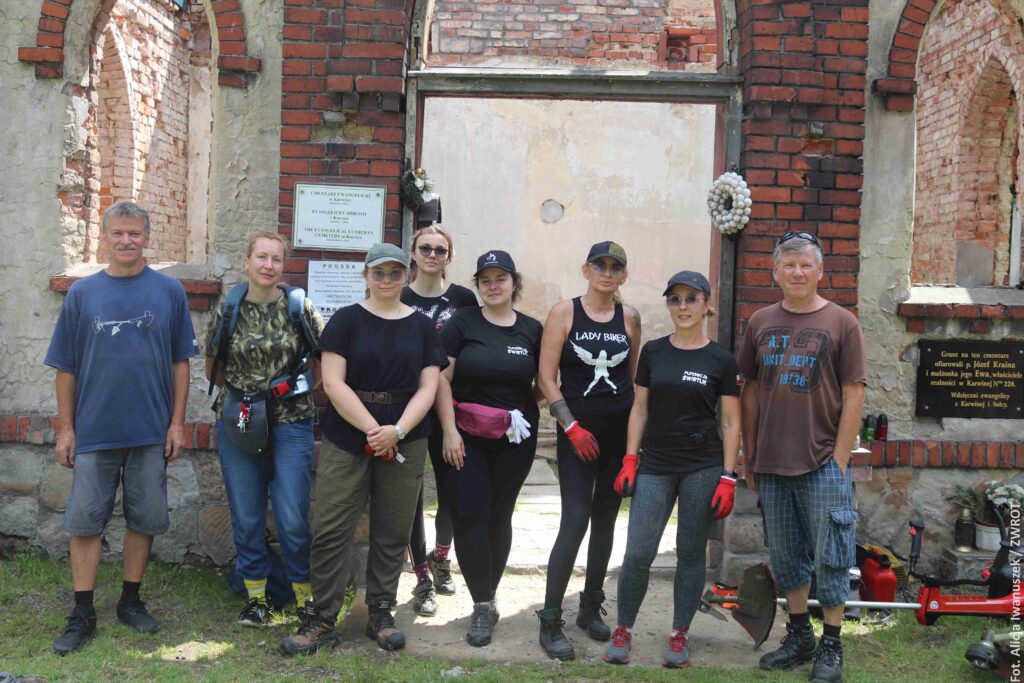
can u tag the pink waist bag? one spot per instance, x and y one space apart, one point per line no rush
483 421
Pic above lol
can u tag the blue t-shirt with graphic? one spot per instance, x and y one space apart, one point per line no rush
119 337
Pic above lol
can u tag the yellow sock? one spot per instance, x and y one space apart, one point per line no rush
303 593
257 588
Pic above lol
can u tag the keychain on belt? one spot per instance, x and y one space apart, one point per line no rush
243 415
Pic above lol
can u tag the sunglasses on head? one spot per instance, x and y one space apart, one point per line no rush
689 299
426 250
801 235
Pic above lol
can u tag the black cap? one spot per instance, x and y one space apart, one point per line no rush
495 259
609 249
690 278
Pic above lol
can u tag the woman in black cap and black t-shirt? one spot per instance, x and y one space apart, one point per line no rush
490 435
679 381
592 343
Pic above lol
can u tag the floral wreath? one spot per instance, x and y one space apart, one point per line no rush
729 203
415 188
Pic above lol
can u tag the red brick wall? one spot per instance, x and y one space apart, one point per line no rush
596 33
967 130
803 65
343 99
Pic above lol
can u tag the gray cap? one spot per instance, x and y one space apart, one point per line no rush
689 278
383 253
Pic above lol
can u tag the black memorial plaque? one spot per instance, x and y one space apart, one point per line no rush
970 379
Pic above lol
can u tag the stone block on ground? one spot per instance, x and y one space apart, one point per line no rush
954 565
214 532
541 474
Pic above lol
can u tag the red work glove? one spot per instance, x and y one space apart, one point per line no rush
627 475
724 496
369 451
583 441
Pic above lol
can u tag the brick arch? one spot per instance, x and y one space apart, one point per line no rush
900 82
233 63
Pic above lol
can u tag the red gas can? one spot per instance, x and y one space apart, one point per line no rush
879 580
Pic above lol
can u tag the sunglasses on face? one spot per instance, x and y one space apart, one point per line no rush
689 299
389 275
427 250
801 235
602 268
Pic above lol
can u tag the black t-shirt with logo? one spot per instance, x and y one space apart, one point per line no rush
683 389
381 355
594 367
495 365
440 309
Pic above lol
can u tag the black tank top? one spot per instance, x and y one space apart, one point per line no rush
595 363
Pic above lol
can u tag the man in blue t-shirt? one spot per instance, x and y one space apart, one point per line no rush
121 350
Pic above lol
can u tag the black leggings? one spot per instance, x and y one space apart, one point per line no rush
443 520
587 498
483 497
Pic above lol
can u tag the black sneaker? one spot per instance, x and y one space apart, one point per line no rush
381 627
423 601
828 661
481 625
132 612
256 613
797 648
81 627
441 571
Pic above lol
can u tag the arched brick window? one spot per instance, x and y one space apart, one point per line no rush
968 131
148 126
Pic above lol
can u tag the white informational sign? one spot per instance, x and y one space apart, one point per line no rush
338 217
335 284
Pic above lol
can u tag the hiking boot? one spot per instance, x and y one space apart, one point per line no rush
554 642
797 648
828 661
381 627
589 617
441 571
132 612
495 615
423 602
256 613
314 632
80 628
617 651
481 625
677 656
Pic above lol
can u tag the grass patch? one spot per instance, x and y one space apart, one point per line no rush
199 641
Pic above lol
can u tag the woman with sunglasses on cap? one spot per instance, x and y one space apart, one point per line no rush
488 410
265 346
674 427
430 293
591 343
380 362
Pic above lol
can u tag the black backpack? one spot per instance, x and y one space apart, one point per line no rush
229 320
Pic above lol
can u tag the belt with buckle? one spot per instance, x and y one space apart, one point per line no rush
383 397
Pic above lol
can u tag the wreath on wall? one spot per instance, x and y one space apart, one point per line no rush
415 188
729 203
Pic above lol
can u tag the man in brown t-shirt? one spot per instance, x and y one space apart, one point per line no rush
804 365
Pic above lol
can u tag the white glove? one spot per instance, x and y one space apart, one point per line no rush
519 429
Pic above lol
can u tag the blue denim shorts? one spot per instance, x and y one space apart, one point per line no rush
142 473
810 523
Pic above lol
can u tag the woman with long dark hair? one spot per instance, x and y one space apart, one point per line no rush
680 449
434 296
488 410
591 345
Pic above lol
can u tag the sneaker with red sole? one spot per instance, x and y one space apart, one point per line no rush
618 649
